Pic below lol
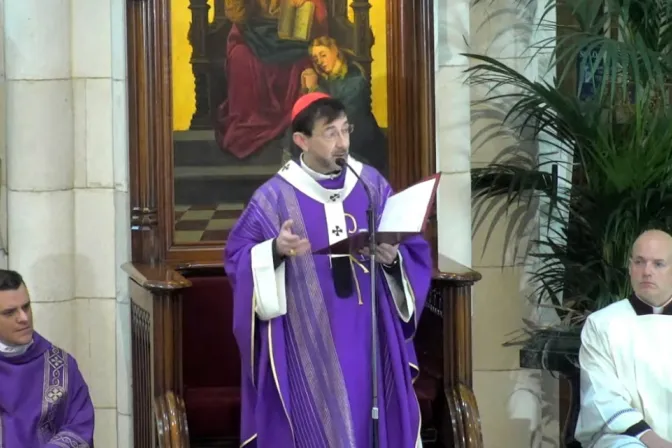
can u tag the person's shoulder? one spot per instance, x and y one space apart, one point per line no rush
269 188
605 317
371 173
355 70
56 354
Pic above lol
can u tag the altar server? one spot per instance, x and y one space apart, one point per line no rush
44 400
303 321
626 362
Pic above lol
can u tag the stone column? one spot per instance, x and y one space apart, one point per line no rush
67 181
453 131
122 208
101 211
39 157
3 144
514 402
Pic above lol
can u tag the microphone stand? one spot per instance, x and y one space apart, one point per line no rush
371 217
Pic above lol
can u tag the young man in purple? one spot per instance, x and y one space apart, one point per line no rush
303 321
44 401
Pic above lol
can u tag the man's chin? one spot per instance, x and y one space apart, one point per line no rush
650 296
647 293
23 337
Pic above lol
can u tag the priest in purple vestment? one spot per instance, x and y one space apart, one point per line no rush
44 401
303 321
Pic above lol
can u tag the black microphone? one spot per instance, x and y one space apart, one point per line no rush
370 212
371 217
374 315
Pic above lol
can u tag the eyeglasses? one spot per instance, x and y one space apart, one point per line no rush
333 134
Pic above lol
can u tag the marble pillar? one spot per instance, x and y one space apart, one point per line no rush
513 403
516 403
67 182
453 135
3 144
102 210
39 159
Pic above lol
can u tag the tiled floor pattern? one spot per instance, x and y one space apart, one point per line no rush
207 223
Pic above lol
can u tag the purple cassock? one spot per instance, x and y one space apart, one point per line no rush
306 349
44 401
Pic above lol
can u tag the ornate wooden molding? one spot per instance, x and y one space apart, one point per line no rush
411 148
450 299
443 343
410 81
156 343
146 223
155 286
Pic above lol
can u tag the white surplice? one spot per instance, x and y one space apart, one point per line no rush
626 374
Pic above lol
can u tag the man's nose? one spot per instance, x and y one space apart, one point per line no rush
22 316
342 140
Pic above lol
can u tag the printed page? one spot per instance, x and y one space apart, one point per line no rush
407 210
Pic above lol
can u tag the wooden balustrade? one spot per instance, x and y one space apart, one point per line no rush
443 343
156 335
159 292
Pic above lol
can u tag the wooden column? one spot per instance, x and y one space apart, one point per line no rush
156 335
410 87
444 346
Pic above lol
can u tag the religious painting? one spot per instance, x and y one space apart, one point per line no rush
238 66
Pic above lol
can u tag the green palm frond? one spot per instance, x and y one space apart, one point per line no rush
631 38
619 144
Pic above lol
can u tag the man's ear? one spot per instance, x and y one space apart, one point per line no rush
301 140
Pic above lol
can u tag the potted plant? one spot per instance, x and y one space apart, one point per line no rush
592 171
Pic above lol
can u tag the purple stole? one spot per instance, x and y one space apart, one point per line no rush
44 401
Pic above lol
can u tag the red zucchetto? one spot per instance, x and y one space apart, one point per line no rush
305 101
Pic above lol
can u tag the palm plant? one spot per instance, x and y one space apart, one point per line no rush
615 148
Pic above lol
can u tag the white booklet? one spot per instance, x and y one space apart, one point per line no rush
408 210
405 214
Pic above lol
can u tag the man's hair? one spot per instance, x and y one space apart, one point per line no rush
328 108
10 280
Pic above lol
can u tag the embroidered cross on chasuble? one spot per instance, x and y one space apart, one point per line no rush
303 326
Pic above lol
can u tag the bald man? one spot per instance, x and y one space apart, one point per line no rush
626 359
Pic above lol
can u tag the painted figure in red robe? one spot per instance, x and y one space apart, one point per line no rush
263 73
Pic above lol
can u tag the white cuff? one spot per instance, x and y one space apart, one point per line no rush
269 282
639 436
401 294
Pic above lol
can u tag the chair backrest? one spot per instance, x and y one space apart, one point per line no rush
213 359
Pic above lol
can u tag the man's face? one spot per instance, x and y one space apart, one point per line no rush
650 268
329 142
16 317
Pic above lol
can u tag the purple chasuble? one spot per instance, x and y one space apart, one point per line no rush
44 401
307 374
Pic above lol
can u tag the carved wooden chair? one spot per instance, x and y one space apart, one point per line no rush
208 41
